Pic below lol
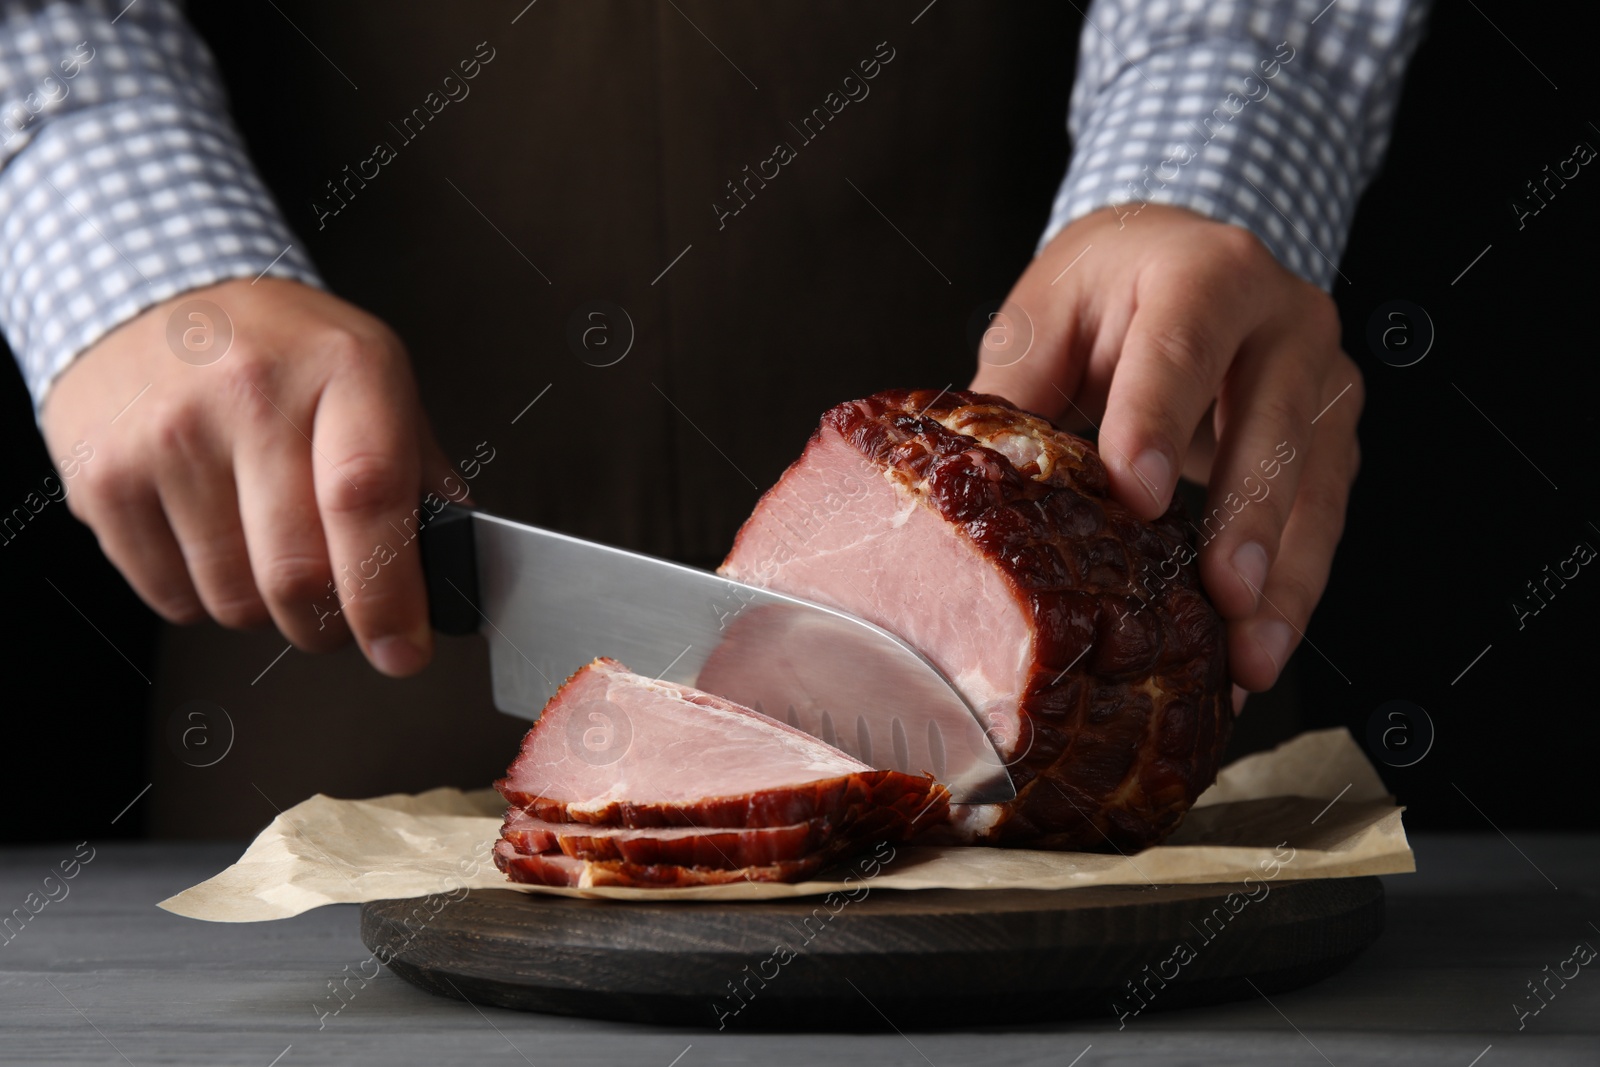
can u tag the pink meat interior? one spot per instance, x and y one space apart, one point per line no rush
840 532
610 735
522 822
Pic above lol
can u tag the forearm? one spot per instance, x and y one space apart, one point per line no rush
1268 115
122 180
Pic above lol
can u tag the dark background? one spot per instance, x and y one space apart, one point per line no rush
1448 522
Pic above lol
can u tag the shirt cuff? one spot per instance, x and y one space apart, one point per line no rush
115 208
1236 131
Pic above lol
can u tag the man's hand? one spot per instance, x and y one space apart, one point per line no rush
241 488
1209 359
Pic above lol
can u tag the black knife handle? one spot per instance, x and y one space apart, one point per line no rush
450 565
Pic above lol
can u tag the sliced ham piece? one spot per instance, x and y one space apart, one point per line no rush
610 737
613 748
986 538
844 800
627 780
559 869
681 846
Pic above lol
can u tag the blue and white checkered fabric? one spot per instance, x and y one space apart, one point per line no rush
122 180
1271 116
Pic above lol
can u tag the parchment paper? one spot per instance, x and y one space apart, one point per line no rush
1312 808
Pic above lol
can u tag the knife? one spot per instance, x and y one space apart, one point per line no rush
548 603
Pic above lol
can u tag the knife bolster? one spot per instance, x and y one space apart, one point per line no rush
450 565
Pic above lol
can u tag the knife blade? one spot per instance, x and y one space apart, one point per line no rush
548 603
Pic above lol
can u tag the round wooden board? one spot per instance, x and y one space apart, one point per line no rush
905 959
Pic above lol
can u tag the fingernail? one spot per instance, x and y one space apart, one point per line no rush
1273 637
396 656
1156 473
1240 695
1250 564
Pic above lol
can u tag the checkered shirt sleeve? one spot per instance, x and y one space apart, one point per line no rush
122 180
1272 115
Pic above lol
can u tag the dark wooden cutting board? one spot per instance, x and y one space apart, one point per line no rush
890 959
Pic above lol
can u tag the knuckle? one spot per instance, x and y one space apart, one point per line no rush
178 607
381 608
251 384
237 608
248 369
215 550
1288 411
106 484
340 346
1266 523
180 430
219 565
1180 349
291 579
257 388
1237 247
345 349
363 483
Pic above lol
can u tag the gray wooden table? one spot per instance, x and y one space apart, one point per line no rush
101 976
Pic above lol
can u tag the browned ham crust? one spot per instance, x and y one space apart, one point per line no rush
986 537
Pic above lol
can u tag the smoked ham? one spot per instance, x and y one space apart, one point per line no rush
695 846
985 537
559 869
627 780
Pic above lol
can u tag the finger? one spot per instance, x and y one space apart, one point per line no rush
1267 405
1260 646
134 535
367 477
1029 351
1179 346
283 531
202 505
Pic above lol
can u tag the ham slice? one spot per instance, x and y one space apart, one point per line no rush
986 538
627 780
614 748
559 869
705 846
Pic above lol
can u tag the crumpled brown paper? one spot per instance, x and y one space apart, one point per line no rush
1317 795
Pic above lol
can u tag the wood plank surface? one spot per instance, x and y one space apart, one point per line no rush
102 974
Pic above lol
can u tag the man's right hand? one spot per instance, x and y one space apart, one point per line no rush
242 488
